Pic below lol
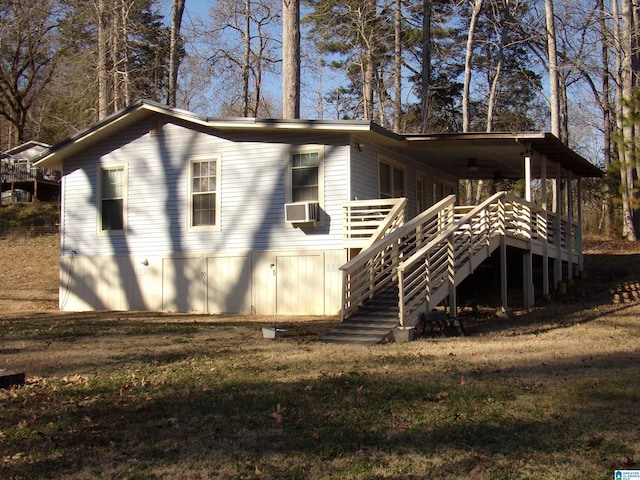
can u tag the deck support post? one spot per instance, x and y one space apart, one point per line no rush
579 232
527 279
557 209
545 236
527 177
451 260
503 273
569 227
527 258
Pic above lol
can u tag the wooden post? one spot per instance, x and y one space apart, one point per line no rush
557 205
527 259
579 232
545 234
451 273
569 227
503 256
527 279
527 177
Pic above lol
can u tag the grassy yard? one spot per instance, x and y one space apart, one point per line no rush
549 393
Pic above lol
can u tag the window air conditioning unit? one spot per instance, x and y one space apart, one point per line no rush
301 212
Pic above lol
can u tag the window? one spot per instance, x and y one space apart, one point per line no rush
441 189
305 175
391 180
204 210
420 195
112 199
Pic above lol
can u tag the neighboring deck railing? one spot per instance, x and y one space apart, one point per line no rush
430 254
366 221
25 172
375 267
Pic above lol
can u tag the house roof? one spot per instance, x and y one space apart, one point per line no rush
494 153
25 151
499 155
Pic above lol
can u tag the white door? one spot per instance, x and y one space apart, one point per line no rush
183 285
299 284
229 284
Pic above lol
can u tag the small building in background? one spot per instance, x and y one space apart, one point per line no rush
22 181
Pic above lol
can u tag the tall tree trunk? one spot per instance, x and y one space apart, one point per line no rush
397 86
247 58
554 98
368 63
291 58
627 144
475 13
494 83
125 72
177 10
103 89
114 36
426 64
607 206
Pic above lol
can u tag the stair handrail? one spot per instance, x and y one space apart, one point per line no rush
502 214
392 219
383 256
420 282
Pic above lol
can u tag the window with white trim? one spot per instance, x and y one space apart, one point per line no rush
305 174
112 199
391 180
204 193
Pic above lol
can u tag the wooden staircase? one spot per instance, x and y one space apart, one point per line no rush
373 322
413 268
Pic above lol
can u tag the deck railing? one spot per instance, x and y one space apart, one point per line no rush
25 172
375 267
366 221
429 255
433 267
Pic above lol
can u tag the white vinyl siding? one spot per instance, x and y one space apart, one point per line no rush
252 193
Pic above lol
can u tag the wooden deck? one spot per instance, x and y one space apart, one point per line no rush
41 183
425 259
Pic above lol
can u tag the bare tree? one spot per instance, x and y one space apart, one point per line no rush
242 49
554 98
27 59
175 49
291 58
397 71
476 7
627 146
425 90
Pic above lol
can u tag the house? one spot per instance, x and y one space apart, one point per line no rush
165 210
21 181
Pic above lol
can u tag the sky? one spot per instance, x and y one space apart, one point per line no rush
312 83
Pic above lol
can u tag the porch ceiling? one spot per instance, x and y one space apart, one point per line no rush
497 155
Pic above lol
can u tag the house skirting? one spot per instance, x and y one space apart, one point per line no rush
256 282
